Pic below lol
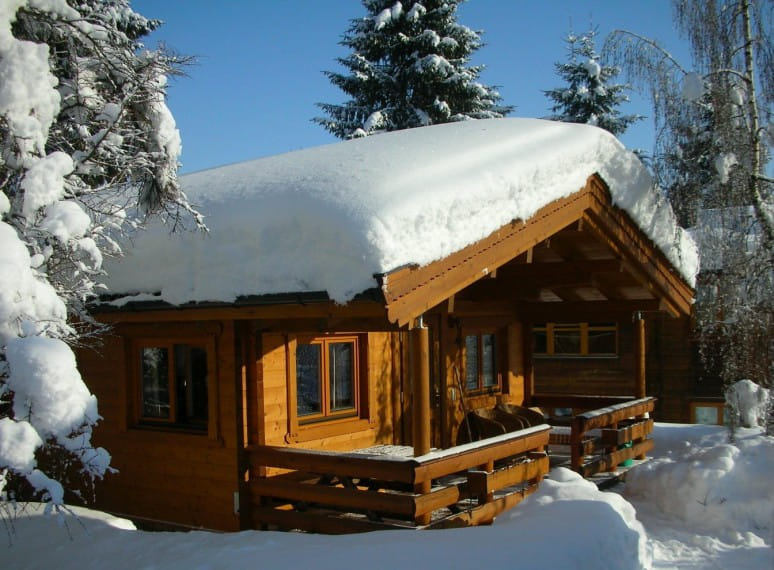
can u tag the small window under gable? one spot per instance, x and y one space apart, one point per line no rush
575 339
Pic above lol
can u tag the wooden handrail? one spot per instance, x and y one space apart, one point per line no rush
392 484
609 417
576 401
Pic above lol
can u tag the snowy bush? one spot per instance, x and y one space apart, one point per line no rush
749 402
87 147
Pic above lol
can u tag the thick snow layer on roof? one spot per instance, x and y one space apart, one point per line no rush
330 218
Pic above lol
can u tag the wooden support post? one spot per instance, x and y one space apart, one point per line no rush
640 388
420 352
639 362
420 345
529 363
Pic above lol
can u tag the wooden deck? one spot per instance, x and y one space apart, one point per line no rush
386 487
334 493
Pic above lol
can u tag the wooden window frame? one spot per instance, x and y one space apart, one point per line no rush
171 424
318 426
719 406
497 387
583 329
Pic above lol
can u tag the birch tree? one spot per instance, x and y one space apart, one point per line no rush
714 130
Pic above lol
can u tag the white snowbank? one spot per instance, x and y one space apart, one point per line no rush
568 523
569 504
717 488
331 217
615 540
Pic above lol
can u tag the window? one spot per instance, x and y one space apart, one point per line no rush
174 384
481 370
709 413
575 339
327 378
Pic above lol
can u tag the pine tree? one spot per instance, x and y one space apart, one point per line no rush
88 148
589 96
409 67
712 124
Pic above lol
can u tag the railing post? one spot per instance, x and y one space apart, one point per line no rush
640 354
576 449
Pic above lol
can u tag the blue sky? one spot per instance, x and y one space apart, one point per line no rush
258 74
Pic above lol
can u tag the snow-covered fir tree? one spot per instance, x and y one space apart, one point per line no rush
409 66
713 122
589 96
88 148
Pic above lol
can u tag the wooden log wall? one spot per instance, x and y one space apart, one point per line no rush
272 403
592 376
166 474
452 400
673 368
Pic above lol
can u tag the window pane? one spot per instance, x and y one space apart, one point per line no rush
471 362
706 415
601 342
541 341
191 383
567 341
155 382
488 364
341 360
309 396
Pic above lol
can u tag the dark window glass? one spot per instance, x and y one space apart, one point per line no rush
567 340
191 382
341 363
601 342
309 395
471 362
541 341
155 383
488 365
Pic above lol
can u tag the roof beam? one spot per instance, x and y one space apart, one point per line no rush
584 310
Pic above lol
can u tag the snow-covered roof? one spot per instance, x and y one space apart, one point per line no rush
330 218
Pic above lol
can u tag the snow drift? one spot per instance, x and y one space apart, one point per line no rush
715 487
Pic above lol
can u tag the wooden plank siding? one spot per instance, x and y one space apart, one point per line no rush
275 378
671 368
604 376
181 477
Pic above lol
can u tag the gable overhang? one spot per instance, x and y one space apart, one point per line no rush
411 291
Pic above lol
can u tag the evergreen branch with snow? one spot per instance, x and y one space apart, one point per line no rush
88 150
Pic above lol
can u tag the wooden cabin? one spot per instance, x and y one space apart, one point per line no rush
291 410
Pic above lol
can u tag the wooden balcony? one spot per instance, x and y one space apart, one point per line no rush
341 492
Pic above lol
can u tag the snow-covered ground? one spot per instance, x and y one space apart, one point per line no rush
699 503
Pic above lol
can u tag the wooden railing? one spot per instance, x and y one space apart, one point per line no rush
578 403
601 439
349 492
